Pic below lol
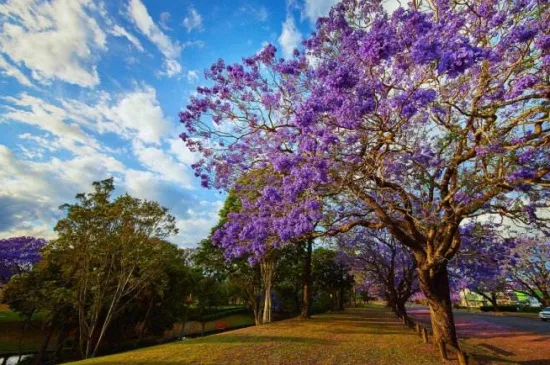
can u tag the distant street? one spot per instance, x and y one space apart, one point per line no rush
533 325
525 340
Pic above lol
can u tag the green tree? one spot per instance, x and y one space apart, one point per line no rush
331 276
110 249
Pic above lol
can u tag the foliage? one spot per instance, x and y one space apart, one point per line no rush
18 254
530 272
108 266
330 276
412 123
503 308
382 263
481 264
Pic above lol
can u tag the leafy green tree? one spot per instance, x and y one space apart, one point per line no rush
43 289
247 279
331 277
110 250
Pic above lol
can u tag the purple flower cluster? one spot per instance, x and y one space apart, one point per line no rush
422 119
18 254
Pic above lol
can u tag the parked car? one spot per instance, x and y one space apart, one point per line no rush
545 314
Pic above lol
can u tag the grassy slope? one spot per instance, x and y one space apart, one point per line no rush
12 334
358 336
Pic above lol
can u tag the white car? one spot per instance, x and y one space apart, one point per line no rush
545 314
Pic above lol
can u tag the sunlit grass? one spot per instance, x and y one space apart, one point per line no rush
357 336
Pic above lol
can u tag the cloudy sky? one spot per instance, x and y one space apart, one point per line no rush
91 89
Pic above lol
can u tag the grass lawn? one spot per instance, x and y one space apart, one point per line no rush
357 336
12 335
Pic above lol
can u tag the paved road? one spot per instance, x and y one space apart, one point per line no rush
508 339
531 325
522 324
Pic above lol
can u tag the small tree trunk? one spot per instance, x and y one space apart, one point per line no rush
494 302
306 295
435 285
341 298
266 265
257 316
400 308
46 341
63 335
184 321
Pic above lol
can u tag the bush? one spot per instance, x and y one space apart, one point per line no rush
501 308
321 303
213 314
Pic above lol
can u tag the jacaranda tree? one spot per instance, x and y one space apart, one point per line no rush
481 264
414 122
383 263
529 273
18 254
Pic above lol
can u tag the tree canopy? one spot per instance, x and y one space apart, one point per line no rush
413 123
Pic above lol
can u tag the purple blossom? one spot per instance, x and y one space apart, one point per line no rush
18 254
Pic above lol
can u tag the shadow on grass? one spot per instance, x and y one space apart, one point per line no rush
254 339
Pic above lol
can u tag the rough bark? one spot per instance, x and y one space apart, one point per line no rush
434 283
267 264
306 296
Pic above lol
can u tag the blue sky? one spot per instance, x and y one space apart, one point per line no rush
91 89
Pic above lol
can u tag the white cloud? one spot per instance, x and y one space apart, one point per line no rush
32 191
138 112
318 8
37 112
142 184
132 115
164 165
164 19
42 230
290 37
171 50
192 76
392 5
259 13
193 20
198 222
118 31
10 70
178 148
60 39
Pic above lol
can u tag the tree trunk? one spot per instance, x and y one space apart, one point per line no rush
46 341
266 265
341 298
400 309
145 320
306 295
184 321
257 316
435 285
494 302
57 356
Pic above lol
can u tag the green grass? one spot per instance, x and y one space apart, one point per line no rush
13 337
357 336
